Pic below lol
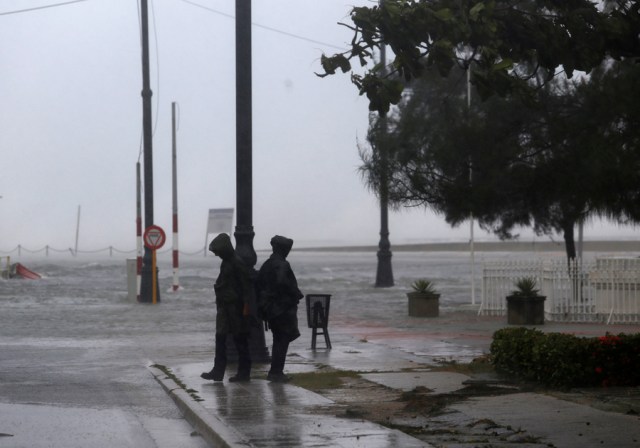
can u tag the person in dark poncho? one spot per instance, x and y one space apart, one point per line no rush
233 290
278 297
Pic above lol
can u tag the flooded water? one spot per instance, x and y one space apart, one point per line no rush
90 295
73 343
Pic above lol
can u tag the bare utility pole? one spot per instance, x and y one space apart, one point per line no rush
174 184
146 287
244 139
244 153
75 251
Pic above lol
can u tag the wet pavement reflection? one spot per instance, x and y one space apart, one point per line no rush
283 415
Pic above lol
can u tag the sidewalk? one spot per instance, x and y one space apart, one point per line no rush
264 414
396 360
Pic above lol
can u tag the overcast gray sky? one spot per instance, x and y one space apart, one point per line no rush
71 124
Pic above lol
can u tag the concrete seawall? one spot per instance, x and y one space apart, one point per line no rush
490 246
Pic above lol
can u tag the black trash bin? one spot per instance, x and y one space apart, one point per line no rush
318 317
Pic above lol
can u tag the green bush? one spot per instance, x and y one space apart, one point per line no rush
512 350
564 360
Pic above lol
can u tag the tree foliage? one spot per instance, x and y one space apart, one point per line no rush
572 154
506 43
544 148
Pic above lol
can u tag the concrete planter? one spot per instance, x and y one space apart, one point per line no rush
527 310
423 305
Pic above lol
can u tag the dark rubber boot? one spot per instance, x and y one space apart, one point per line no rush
220 360
278 354
244 359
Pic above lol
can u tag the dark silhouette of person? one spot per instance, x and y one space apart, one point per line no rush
278 297
233 289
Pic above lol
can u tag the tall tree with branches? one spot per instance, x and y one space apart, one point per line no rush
527 170
549 166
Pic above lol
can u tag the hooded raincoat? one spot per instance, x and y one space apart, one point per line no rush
233 288
278 293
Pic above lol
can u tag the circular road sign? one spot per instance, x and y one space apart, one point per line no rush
154 237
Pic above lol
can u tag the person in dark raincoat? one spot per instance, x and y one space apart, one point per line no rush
278 297
233 289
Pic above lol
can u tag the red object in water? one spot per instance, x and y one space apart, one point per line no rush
22 271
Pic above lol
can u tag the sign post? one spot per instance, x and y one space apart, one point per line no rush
154 238
220 221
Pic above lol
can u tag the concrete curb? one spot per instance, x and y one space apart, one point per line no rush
212 429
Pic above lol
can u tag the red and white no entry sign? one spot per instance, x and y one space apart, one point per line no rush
154 237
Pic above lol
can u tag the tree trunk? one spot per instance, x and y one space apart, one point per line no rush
570 246
569 243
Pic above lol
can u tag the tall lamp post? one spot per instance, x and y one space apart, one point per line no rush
244 139
147 279
384 273
244 146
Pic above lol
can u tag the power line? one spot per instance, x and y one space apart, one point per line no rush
275 30
210 9
40 7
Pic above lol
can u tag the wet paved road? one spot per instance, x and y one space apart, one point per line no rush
73 367
76 348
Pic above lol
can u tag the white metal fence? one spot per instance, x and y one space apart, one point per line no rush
602 290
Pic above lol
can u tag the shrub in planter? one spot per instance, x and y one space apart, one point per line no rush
424 300
525 306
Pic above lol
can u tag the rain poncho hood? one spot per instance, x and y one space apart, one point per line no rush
281 245
222 246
